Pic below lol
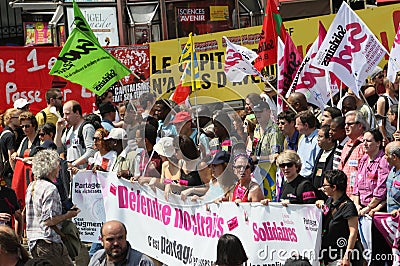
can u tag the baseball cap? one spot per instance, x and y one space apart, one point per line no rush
220 158
165 147
117 133
261 106
20 103
183 116
106 108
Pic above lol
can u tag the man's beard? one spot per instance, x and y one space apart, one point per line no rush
119 255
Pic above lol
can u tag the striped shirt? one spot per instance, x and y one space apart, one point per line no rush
338 153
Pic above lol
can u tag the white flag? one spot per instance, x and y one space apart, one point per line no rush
280 65
238 62
350 50
312 81
394 59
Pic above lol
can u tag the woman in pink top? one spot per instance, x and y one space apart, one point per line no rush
369 192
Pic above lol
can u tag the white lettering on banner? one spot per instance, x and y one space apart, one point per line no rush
8 66
186 233
30 96
33 56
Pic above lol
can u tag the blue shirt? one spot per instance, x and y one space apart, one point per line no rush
308 150
203 140
393 190
107 124
292 143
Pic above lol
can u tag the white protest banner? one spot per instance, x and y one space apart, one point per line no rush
238 62
350 50
186 233
394 59
312 81
87 196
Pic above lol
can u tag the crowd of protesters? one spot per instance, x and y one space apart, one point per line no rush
345 159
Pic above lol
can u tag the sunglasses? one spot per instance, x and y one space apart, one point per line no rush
351 123
288 165
41 134
241 167
380 76
26 126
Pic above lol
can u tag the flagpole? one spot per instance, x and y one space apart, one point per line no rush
276 91
192 71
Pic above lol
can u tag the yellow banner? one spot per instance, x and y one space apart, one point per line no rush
165 73
219 13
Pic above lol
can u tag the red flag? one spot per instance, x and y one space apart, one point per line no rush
271 29
21 179
181 93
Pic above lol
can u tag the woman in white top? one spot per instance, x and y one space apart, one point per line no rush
104 158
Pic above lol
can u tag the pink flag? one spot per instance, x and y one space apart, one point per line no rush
350 50
388 226
394 59
280 65
313 81
290 63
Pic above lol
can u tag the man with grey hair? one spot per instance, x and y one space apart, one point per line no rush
44 210
392 155
354 125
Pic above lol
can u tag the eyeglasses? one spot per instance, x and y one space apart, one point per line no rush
380 76
351 123
15 117
26 126
41 134
241 167
59 98
288 165
326 185
282 123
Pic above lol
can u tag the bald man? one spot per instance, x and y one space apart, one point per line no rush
117 250
298 101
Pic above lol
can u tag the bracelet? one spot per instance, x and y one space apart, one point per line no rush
167 181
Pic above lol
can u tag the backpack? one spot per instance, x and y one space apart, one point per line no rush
44 116
92 119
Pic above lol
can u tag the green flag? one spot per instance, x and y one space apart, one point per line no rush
84 62
81 23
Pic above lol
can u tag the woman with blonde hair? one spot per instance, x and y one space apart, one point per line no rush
8 140
296 189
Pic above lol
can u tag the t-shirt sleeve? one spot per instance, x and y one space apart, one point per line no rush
9 140
308 193
349 210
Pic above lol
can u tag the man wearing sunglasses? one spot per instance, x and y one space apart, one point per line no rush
54 99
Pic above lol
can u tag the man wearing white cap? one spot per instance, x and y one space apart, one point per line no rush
117 138
21 104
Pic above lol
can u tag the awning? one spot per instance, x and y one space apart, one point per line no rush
142 14
27 5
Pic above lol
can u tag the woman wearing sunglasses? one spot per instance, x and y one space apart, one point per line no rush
29 125
245 189
296 189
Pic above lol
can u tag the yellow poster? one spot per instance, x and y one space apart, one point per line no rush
165 73
219 13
